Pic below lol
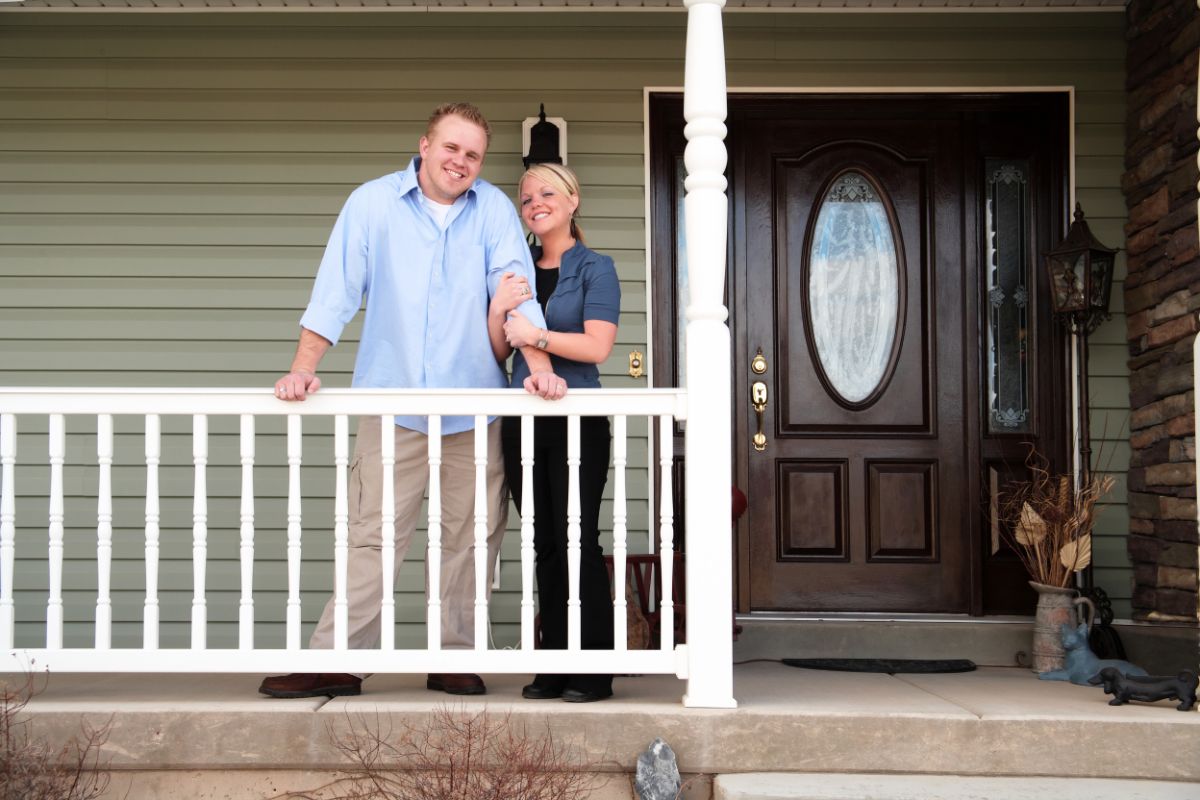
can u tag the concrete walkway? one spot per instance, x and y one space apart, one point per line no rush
777 786
988 723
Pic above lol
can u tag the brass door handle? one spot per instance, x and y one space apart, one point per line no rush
758 401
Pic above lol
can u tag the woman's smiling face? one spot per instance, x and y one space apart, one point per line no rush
544 208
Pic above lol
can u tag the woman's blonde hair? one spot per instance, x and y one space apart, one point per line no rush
562 179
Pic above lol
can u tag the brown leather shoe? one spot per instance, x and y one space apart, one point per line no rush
311 684
455 683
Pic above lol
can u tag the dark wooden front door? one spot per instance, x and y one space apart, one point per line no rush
885 297
854 246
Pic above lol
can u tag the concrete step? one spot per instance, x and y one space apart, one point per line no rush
993 643
826 786
170 732
988 641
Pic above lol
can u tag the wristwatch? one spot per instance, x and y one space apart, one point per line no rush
543 339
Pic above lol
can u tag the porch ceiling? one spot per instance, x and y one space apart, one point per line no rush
559 5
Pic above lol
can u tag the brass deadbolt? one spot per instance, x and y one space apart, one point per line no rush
758 365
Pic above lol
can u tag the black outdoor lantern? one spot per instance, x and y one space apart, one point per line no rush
543 142
1081 274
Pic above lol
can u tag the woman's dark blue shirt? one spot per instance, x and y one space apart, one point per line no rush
587 289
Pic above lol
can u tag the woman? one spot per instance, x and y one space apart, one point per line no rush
581 298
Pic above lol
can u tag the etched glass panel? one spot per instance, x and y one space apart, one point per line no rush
853 287
1006 226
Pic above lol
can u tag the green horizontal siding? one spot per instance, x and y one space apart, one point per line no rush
167 183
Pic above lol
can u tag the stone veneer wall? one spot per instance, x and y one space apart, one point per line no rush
1162 296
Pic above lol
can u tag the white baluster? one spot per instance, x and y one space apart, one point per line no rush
573 533
620 533
387 612
199 531
481 532
651 530
709 475
54 606
433 559
150 611
527 551
246 606
666 533
341 533
293 531
104 516
8 526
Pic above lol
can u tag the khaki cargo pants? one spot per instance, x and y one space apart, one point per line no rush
364 586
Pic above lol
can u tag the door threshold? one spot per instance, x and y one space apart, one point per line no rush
865 616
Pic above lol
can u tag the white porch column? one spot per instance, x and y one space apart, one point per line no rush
709 471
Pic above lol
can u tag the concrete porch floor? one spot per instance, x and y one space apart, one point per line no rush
213 736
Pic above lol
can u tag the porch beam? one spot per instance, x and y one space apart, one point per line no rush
709 474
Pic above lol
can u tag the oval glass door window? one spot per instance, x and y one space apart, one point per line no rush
853 287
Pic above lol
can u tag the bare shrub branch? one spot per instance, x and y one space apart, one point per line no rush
33 769
454 755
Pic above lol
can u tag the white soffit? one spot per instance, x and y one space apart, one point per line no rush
553 5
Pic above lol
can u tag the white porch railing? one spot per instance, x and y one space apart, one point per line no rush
50 410
705 661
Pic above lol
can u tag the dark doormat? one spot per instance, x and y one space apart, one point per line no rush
891 666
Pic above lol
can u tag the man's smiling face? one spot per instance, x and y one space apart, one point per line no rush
451 158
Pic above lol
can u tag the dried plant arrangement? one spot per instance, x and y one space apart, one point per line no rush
1049 520
453 754
32 768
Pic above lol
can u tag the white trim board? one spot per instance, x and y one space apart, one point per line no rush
347 6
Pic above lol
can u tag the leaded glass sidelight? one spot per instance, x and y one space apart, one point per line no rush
853 287
1006 228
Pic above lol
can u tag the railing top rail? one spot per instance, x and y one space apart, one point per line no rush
446 402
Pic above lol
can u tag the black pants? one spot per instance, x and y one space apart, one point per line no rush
550 488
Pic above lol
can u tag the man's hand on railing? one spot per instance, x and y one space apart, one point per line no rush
297 385
546 384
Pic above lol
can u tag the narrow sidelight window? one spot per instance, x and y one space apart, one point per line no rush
1006 228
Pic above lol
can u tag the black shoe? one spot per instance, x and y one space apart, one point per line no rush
535 691
570 695
545 687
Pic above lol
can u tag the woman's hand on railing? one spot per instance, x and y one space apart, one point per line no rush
297 385
546 384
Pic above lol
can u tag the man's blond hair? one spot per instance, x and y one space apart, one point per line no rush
465 110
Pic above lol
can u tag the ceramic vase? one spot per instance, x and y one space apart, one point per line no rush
1057 606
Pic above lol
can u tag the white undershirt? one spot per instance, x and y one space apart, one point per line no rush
438 211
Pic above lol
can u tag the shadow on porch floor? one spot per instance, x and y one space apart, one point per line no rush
992 722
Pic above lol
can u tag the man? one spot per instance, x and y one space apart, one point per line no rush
428 247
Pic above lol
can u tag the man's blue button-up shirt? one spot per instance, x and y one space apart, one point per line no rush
427 288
